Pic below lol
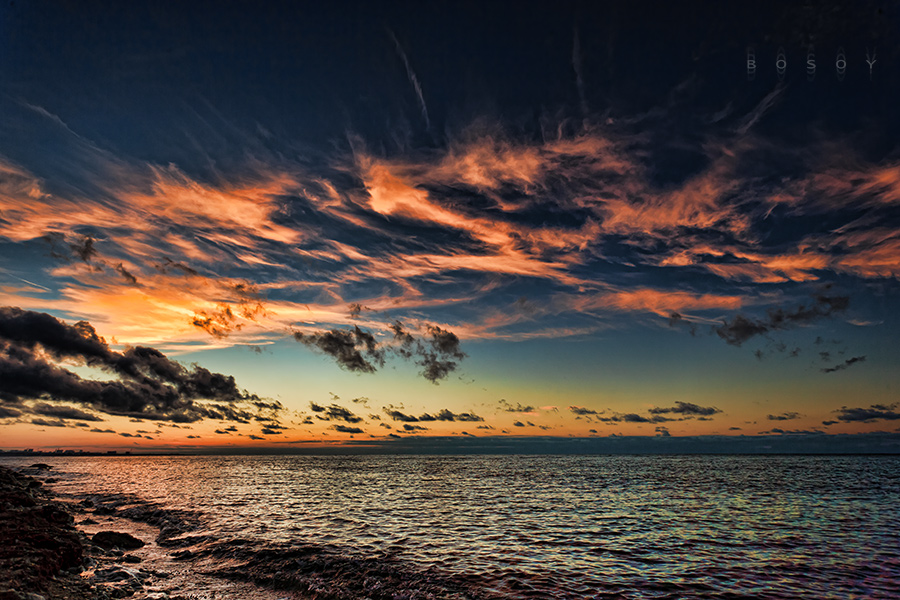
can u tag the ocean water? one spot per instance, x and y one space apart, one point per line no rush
524 526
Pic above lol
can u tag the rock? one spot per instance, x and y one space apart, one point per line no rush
88 521
112 539
131 558
40 467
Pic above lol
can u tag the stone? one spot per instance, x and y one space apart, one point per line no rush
115 539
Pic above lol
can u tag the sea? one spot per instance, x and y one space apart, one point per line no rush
406 527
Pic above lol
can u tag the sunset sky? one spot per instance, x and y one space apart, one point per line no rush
271 226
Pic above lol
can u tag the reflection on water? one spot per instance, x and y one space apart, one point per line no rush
575 526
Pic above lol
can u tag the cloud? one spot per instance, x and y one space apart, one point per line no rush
506 406
358 350
96 430
149 385
354 350
847 363
787 416
334 413
346 429
518 424
408 427
63 412
446 415
686 408
8 412
400 416
876 412
47 423
443 415
742 328
580 410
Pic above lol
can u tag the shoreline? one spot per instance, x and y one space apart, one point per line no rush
45 554
42 553
124 547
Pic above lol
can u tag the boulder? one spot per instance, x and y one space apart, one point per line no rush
115 539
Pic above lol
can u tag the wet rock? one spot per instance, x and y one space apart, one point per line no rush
40 467
37 539
131 558
88 521
115 539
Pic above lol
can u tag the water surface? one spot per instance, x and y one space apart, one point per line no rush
552 526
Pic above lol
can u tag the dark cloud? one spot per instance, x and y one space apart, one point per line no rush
9 412
443 415
95 430
635 418
787 416
357 350
580 410
517 408
876 412
408 427
793 432
686 408
168 266
63 412
442 357
518 424
399 416
353 349
346 429
446 415
251 436
403 340
334 413
149 385
84 249
121 270
218 323
742 328
46 423
268 431
845 364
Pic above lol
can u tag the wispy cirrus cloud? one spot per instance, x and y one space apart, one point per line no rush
156 255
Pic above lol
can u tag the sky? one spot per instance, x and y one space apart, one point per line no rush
448 226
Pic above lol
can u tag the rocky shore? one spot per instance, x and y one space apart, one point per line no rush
46 554
43 556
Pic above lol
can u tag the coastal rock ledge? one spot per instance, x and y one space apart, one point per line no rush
41 552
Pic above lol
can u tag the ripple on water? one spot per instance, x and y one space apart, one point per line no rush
564 527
